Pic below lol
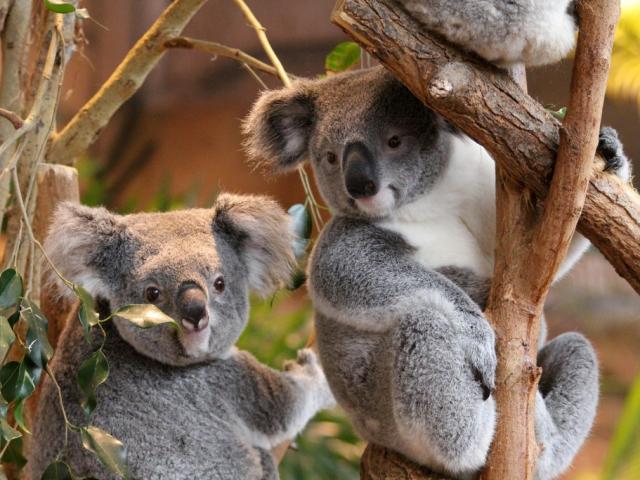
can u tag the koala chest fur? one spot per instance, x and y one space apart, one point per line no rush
453 224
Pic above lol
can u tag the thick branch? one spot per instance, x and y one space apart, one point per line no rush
85 126
485 104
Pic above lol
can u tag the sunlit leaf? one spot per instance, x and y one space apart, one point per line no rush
16 381
87 313
57 471
559 114
7 432
302 225
82 13
627 434
40 351
10 288
144 315
342 57
7 337
93 372
59 7
107 448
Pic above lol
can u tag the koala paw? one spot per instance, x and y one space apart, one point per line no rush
610 147
308 369
481 354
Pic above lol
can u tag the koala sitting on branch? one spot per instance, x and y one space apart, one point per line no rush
185 403
399 275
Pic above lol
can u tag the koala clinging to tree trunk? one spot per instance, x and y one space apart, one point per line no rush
185 403
533 32
407 352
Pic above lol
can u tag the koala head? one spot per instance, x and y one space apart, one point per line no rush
372 145
196 265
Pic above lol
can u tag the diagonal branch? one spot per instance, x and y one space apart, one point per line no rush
486 105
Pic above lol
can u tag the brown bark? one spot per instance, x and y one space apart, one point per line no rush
487 105
378 463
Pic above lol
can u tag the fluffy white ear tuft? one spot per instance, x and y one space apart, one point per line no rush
262 232
76 233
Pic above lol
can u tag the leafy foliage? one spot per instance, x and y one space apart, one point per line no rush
344 56
624 76
109 450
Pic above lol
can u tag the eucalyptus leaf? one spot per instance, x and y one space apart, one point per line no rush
13 453
7 432
10 288
57 471
7 337
16 381
93 372
59 7
301 220
87 313
82 13
559 114
4 407
18 415
342 57
144 316
109 450
40 350
14 317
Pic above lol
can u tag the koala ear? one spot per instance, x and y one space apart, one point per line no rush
80 241
279 127
262 232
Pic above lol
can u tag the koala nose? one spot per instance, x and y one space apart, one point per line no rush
192 307
360 175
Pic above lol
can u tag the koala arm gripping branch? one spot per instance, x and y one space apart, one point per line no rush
275 406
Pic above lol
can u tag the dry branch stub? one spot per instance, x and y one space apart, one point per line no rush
487 105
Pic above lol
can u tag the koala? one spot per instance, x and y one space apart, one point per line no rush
185 402
533 32
399 275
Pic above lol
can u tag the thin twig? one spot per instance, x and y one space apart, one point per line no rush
221 50
253 73
13 117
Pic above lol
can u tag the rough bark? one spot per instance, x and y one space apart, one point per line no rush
378 463
487 105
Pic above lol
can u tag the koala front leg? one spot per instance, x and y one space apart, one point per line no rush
442 389
275 406
566 401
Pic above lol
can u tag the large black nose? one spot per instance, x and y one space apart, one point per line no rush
192 307
360 176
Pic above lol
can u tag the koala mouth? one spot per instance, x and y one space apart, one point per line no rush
195 342
379 205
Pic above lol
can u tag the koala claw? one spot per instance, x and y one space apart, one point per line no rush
610 147
307 361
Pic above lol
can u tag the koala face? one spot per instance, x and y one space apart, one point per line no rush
372 145
196 265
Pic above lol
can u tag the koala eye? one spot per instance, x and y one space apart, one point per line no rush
331 158
394 142
152 294
218 284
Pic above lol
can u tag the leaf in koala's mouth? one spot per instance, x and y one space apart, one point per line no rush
145 316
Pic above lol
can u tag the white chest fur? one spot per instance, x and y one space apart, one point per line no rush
453 224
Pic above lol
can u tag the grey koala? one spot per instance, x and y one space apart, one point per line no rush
534 32
399 274
186 403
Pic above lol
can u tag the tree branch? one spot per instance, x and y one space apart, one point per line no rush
85 126
218 49
485 104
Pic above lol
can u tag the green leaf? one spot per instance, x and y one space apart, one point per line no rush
93 372
626 434
87 313
57 471
18 415
343 56
16 381
7 432
302 225
13 453
59 7
558 114
144 316
10 288
7 337
107 448
40 350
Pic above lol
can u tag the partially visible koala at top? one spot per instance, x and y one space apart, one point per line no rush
186 403
406 350
533 32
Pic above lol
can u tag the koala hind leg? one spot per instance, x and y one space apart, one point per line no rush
444 414
269 468
566 401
